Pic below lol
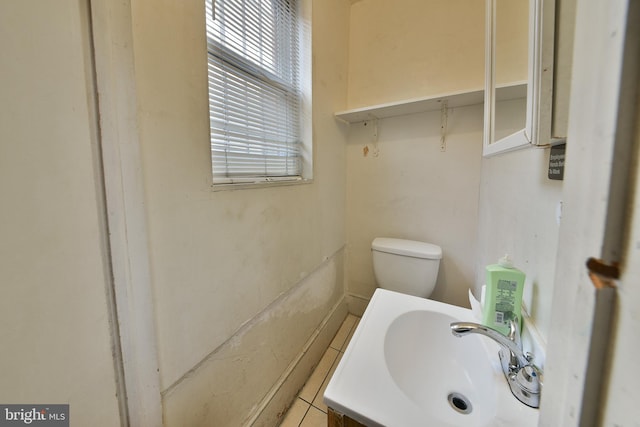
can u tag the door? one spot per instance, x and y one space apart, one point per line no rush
593 339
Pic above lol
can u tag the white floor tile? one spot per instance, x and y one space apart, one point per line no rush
309 410
314 418
343 333
295 414
318 401
316 379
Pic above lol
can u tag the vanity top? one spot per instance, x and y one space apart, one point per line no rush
403 366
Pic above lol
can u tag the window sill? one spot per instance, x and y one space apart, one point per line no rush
260 184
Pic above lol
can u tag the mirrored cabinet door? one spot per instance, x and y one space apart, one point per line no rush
511 55
518 74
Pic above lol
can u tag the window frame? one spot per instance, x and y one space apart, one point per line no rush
305 113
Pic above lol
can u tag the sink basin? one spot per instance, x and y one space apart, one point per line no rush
428 363
403 367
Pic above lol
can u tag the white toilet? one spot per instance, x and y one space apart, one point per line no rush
406 266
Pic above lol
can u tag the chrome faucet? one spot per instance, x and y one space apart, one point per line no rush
523 377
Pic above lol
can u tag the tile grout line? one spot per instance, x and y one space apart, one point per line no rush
339 351
335 361
305 412
324 378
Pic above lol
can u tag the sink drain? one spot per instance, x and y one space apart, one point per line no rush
460 403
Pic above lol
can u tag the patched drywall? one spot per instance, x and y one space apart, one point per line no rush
221 261
226 387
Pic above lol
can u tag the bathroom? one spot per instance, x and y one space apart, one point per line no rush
220 303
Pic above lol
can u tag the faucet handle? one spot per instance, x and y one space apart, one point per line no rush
529 379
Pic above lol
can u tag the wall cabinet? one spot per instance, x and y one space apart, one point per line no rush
519 53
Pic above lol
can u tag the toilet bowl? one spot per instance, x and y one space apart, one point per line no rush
406 266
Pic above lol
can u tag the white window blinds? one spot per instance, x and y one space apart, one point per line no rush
254 89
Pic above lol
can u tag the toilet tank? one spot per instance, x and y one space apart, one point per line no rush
406 266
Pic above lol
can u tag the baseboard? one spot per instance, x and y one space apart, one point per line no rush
357 304
275 404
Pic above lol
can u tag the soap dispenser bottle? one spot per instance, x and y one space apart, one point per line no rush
503 299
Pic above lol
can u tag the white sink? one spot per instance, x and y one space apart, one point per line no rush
403 367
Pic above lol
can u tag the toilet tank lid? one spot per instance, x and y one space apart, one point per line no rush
407 248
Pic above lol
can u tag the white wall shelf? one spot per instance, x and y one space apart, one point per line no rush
411 106
431 103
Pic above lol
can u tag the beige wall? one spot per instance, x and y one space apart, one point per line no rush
243 281
413 48
55 334
517 215
456 199
241 278
403 50
519 205
412 190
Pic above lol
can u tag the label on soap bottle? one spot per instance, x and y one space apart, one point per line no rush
505 301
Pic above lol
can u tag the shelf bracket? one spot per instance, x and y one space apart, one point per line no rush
443 126
373 123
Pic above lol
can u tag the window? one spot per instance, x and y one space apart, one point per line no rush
257 85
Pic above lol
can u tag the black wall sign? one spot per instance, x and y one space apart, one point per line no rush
556 162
